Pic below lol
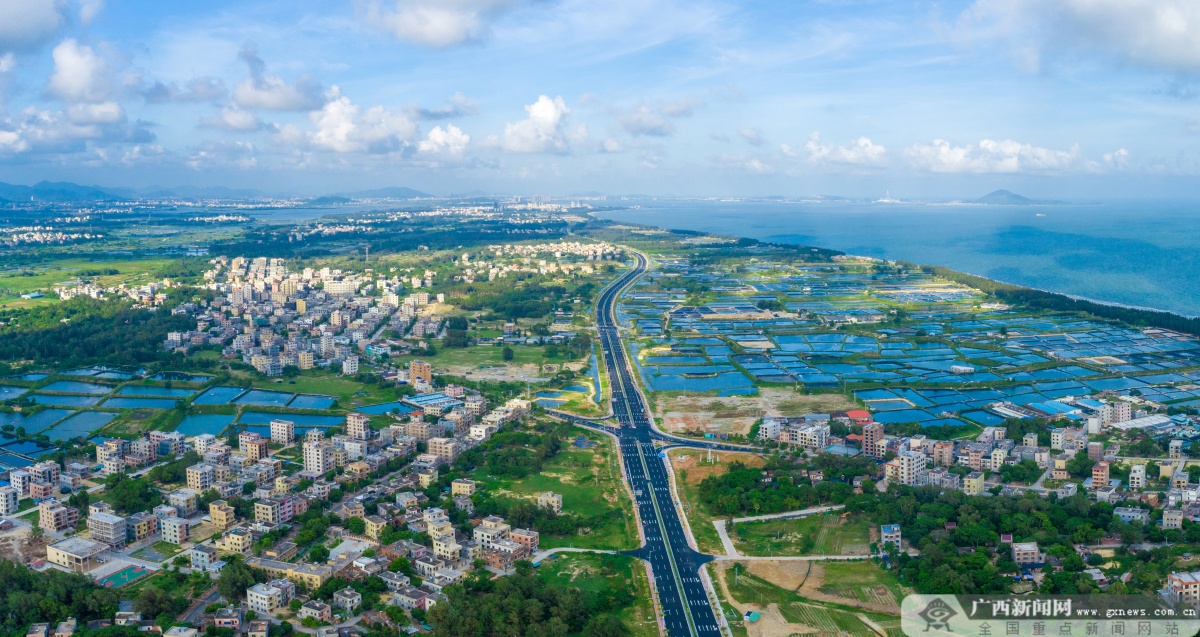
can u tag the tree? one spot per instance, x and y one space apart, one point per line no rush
152 602
507 353
356 525
234 579
318 554
606 626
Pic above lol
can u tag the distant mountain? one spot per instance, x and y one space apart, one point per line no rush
395 192
61 191
329 200
209 192
1009 198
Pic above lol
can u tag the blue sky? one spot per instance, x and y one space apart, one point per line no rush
1066 98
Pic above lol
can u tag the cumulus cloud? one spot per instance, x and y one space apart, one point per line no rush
232 118
458 105
863 153
344 127
223 154
437 23
1163 34
753 136
545 130
271 92
200 89
25 24
41 131
80 74
990 156
750 164
444 142
645 120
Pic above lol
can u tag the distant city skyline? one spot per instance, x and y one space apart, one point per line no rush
1071 99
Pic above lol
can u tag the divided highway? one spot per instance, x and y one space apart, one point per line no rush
674 565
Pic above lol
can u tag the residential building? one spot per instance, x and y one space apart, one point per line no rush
316 609
462 486
221 514
973 483
872 433
283 431
420 371
54 516
358 426
270 597
1027 553
890 534
174 530
347 599
9 498
550 501
203 556
1172 519
1100 475
1183 589
200 477
108 528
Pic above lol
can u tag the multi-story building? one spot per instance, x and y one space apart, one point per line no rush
267 511
1183 588
283 431
200 477
872 433
108 528
174 530
890 534
9 498
54 516
1137 477
943 453
268 598
221 514
253 445
462 486
358 426
1027 553
420 371
550 501
1100 475
907 468
446 449
318 457
1115 412
973 483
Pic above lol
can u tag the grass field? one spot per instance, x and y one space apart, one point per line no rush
589 481
14 281
158 552
824 617
482 355
349 392
827 534
862 581
591 573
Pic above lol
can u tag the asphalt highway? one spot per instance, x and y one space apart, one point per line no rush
674 565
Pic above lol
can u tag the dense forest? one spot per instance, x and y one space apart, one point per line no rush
743 490
84 331
523 604
52 596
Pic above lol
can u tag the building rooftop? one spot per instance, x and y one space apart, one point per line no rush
79 546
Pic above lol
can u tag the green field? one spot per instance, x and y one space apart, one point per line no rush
590 483
826 618
827 534
591 573
482 356
43 276
158 552
862 581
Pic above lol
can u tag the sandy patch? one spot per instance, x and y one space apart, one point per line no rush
19 545
736 414
698 468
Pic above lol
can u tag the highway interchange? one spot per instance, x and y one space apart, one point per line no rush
674 564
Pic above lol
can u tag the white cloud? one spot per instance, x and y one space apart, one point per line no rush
233 118
1118 159
343 127
99 113
436 23
611 145
753 136
8 62
990 156
645 120
449 141
223 154
80 74
271 92
749 164
1156 33
862 153
544 131
27 23
89 9
85 126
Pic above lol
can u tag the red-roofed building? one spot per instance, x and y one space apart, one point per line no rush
859 416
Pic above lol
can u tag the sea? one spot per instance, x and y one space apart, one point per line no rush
1142 254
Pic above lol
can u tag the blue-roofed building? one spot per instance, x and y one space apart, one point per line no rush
434 403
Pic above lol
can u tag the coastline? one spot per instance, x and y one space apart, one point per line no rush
1136 316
